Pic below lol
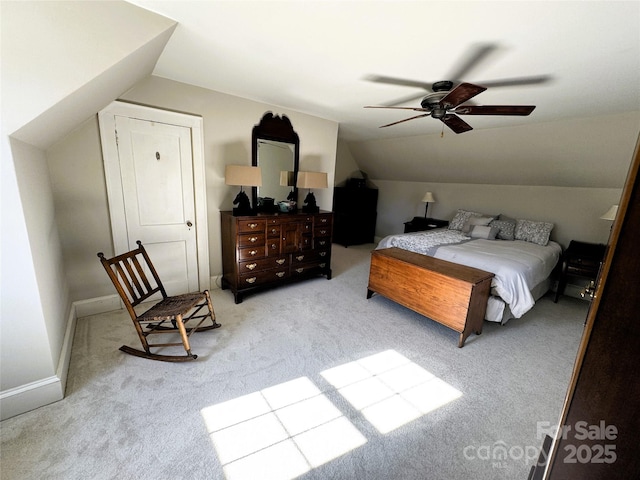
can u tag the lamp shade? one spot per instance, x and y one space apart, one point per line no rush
611 213
243 175
312 180
428 197
286 178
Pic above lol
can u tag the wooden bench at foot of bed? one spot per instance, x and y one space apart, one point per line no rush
451 294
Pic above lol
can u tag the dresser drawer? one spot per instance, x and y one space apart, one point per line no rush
248 253
322 231
308 268
264 276
322 242
309 257
263 264
251 225
251 240
273 231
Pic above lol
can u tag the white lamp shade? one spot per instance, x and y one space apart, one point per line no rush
312 180
611 213
286 178
243 175
428 197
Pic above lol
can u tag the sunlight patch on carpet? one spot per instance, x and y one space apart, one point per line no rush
284 431
281 432
389 389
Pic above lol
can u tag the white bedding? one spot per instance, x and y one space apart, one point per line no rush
518 266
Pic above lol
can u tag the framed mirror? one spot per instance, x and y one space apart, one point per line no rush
275 149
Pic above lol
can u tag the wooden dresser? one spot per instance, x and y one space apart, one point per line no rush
270 249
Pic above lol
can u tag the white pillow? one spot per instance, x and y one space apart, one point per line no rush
484 231
473 221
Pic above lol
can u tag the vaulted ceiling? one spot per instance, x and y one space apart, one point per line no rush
318 57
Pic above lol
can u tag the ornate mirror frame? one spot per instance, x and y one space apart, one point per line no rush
279 129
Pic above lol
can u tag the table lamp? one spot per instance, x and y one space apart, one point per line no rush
244 176
311 180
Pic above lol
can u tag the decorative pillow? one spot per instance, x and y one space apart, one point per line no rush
461 217
484 231
473 221
534 232
506 228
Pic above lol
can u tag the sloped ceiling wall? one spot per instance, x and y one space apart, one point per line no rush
64 61
580 152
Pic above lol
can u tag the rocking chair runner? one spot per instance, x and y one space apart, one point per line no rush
127 272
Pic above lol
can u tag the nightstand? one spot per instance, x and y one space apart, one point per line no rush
421 223
580 259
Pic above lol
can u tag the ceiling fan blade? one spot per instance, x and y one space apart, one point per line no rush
398 81
461 94
476 54
516 82
405 120
404 100
456 124
522 110
417 109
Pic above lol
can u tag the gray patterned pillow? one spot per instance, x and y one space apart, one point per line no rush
534 232
506 228
460 218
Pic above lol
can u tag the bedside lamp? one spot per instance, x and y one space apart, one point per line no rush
246 176
311 180
611 213
428 198
287 180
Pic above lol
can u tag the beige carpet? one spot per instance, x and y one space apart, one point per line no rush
310 381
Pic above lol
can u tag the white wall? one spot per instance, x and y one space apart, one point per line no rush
60 62
78 177
575 212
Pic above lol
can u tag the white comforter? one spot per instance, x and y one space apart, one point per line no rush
518 266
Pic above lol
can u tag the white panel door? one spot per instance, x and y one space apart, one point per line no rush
156 167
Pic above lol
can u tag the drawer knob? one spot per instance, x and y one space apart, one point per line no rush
280 274
252 225
322 254
322 265
251 266
251 280
280 261
299 270
322 232
322 243
253 252
300 258
253 239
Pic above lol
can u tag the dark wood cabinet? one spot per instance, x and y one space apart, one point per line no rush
267 250
355 211
419 224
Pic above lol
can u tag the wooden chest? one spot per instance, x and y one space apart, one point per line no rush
451 294
270 249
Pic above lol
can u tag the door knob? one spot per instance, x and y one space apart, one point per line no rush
189 224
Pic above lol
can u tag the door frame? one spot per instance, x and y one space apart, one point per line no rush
115 197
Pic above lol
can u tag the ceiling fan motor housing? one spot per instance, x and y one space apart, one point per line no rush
443 86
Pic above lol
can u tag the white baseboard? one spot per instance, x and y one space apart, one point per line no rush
94 306
18 400
215 282
30 396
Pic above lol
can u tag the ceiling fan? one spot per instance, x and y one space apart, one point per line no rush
445 102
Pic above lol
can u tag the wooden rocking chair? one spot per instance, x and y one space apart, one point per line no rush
127 272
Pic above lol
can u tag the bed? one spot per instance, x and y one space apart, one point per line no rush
518 252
